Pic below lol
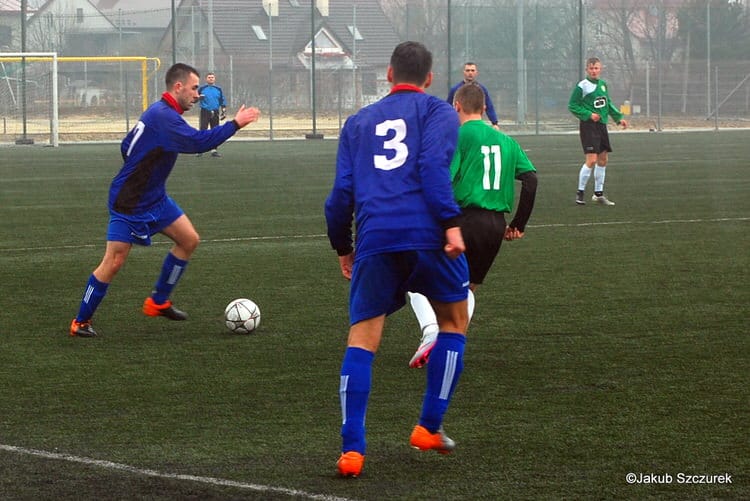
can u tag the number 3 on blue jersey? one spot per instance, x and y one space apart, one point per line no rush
395 143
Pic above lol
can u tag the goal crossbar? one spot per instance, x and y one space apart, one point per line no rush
46 57
54 59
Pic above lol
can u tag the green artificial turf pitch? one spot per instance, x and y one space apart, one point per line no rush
608 341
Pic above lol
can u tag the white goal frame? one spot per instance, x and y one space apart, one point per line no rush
51 57
42 56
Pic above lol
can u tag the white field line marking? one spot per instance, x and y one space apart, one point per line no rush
665 221
172 476
322 235
214 240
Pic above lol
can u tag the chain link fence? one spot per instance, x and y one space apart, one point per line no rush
668 64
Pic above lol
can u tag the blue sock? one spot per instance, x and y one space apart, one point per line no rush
171 271
443 370
354 391
92 296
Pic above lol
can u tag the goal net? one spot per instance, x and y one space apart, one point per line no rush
28 97
46 98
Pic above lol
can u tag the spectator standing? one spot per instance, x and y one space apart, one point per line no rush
471 72
213 106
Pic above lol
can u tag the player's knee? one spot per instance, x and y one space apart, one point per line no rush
191 243
109 267
457 321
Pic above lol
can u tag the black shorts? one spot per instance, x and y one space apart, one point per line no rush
209 118
483 231
594 137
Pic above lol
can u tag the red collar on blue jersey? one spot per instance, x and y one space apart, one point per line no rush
405 87
172 102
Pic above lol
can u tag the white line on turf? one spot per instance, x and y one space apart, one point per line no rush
322 235
172 476
665 221
213 240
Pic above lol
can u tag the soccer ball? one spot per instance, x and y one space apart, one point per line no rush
242 316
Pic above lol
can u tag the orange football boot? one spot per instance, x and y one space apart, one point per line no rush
152 309
81 329
350 464
423 440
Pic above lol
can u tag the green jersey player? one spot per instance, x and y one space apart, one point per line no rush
484 170
590 103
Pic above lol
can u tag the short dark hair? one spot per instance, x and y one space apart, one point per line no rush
592 60
411 63
471 97
179 73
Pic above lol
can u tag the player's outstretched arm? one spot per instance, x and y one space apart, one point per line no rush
246 116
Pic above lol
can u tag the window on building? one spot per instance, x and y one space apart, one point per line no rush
325 44
6 36
259 33
355 33
79 15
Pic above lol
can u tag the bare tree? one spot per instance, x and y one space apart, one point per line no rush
47 30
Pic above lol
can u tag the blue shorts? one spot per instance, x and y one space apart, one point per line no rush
138 228
380 282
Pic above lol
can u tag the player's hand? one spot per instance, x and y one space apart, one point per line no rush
512 233
454 242
496 126
347 263
624 124
245 116
223 113
595 117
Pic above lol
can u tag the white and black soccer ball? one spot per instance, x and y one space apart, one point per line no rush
242 316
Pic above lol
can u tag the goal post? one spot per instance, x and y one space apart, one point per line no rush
98 93
23 58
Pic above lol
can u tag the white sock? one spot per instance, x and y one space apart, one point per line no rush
423 311
583 177
599 173
471 302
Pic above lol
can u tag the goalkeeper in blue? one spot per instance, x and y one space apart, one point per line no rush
485 192
139 206
393 178
213 106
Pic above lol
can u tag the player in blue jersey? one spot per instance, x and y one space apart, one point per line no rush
393 178
213 106
139 206
470 76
